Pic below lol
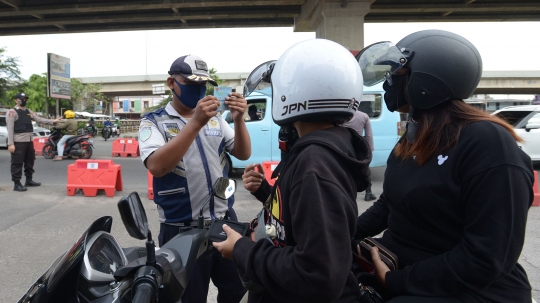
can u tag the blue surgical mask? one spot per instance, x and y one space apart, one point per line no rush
191 94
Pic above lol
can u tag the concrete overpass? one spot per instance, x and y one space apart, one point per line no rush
492 82
338 20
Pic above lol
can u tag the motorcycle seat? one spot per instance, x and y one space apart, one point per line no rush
73 139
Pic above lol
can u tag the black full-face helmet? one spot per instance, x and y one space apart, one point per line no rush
443 66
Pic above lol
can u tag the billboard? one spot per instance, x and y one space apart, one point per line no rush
58 76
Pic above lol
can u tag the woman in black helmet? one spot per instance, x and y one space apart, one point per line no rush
457 187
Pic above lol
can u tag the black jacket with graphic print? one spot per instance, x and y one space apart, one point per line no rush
316 205
457 223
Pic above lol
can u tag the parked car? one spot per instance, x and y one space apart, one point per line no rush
264 132
38 131
526 122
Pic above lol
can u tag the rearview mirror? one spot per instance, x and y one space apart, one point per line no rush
224 188
133 216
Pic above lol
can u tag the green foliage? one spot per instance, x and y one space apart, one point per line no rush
81 124
210 87
35 89
9 76
87 96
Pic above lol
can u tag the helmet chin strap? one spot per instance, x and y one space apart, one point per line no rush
412 126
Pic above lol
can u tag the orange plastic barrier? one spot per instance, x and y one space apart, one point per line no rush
38 145
93 175
269 167
132 147
124 147
150 186
536 201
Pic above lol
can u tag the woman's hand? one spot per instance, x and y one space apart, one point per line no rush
226 247
252 178
380 268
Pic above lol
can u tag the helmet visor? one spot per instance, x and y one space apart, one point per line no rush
379 61
260 74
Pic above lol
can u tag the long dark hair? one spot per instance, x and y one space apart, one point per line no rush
442 124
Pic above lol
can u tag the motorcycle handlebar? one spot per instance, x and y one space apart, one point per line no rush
144 292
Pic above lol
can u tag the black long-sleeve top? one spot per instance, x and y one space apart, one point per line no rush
315 214
457 223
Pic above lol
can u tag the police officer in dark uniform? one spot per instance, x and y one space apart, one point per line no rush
20 144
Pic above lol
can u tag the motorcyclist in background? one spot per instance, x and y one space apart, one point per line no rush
69 125
117 124
310 217
108 122
92 125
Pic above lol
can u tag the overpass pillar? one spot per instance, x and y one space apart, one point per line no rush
339 21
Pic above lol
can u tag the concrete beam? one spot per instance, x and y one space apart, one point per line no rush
151 17
492 82
13 3
509 82
344 25
442 8
89 28
139 6
399 18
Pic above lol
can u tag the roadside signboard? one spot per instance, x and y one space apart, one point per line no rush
58 76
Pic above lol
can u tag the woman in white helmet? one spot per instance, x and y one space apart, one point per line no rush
310 218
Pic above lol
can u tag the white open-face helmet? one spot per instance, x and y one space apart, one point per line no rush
314 80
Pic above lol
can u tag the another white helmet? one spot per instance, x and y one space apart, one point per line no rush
315 80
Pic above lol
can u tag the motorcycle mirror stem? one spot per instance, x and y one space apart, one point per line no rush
200 220
150 251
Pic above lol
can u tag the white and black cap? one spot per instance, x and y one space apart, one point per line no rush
21 96
193 68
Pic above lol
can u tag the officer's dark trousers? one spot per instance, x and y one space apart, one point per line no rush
211 264
24 154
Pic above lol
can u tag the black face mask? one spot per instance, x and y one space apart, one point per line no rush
22 103
287 137
394 96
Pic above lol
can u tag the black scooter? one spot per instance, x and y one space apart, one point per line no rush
96 269
89 129
106 132
78 146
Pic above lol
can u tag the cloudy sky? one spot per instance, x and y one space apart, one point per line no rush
503 46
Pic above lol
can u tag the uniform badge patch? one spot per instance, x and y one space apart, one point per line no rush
145 133
171 128
146 123
212 128
213 123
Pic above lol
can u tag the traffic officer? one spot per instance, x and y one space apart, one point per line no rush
20 144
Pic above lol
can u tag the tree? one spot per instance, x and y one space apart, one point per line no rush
210 87
9 76
35 88
86 96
